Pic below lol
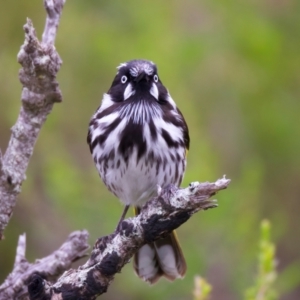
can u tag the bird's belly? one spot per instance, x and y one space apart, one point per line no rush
136 180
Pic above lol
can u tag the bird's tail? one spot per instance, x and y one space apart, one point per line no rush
161 258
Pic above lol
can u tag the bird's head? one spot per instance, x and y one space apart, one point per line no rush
137 78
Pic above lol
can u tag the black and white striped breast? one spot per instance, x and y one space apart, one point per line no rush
138 143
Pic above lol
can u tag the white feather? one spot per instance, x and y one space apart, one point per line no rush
128 91
139 113
122 65
106 120
147 268
167 260
171 101
112 141
174 131
154 91
134 71
106 102
96 132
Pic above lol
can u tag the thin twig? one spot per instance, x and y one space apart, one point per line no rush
21 250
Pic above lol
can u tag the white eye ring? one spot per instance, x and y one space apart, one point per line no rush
123 79
155 77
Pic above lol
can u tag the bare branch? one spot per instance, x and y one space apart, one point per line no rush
158 217
50 267
21 250
54 9
40 64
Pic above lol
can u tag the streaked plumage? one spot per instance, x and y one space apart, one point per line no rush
138 139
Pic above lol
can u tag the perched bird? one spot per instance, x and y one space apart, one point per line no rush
139 140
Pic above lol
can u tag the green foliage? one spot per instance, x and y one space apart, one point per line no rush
263 288
202 289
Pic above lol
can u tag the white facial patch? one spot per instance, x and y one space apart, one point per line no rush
106 102
128 91
154 91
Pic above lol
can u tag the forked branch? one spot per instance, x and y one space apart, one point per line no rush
50 267
158 217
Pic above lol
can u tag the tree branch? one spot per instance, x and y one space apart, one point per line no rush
50 267
40 64
158 217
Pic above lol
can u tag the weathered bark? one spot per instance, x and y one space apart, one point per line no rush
50 267
158 217
40 64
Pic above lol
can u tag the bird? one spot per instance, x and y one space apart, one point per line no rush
139 140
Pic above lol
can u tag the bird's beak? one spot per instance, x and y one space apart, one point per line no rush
141 76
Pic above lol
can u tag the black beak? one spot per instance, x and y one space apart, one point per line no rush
141 76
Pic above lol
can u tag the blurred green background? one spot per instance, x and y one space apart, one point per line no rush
233 68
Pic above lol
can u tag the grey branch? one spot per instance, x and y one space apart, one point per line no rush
40 64
50 267
158 217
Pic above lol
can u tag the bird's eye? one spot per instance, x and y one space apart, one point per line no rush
155 77
123 79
